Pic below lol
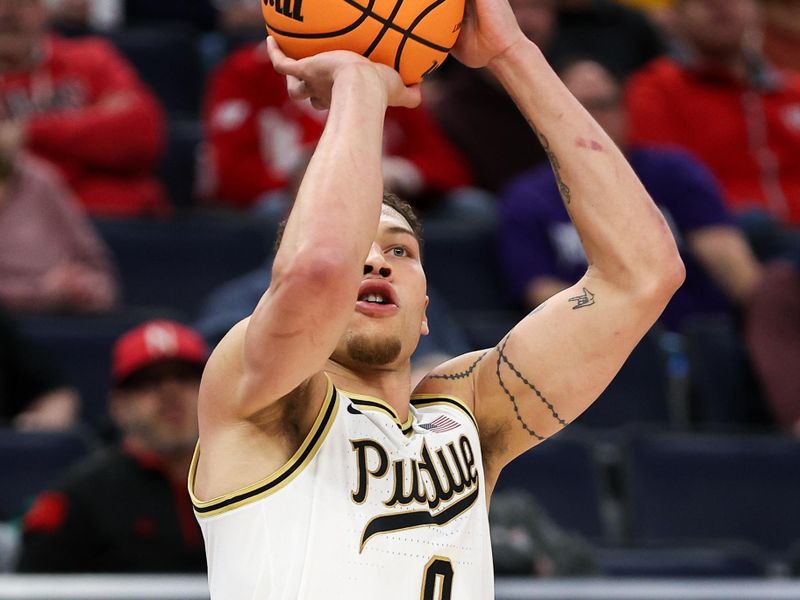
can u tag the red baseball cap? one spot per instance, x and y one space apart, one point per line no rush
155 342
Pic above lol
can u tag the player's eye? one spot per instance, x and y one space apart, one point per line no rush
399 251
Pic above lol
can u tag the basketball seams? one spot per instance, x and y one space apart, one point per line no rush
375 36
420 17
395 27
386 26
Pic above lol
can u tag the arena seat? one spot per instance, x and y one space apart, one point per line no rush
562 476
179 165
638 395
794 559
175 264
461 262
733 561
168 60
81 348
687 489
725 392
30 463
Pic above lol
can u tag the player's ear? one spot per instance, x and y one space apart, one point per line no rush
424 329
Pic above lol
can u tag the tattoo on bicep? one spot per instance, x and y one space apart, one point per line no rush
463 374
503 358
584 300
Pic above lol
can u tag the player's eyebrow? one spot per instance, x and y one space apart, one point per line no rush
400 229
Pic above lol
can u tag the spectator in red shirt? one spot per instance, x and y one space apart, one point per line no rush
259 140
79 105
721 100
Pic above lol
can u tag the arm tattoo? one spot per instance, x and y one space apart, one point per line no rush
462 374
504 358
563 188
584 300
511 397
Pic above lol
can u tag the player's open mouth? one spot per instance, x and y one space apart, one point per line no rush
376 298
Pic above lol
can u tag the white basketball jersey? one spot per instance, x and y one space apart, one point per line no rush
367 508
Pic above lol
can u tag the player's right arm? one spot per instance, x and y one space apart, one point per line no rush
319 266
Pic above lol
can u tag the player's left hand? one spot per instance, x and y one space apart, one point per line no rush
313 77
489 29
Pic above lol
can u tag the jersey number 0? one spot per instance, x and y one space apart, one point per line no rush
438 570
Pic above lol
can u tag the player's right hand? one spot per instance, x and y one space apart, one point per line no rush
488 31
313 77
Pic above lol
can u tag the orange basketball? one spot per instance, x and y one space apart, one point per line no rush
411 36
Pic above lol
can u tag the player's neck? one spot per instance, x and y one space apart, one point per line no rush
392 385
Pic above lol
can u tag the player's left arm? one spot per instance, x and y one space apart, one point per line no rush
556 361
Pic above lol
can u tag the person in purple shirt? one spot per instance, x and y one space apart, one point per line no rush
542 254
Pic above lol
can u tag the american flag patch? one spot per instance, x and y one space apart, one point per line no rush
441 424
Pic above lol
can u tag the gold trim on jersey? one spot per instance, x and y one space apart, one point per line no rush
280 478
425 400
373 403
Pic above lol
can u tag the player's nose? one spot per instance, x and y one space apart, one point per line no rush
376 262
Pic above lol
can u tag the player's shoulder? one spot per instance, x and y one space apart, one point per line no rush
452 379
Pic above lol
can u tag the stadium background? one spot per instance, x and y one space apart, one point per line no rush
678 471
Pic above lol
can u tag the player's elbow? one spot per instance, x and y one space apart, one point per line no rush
313 273
663 277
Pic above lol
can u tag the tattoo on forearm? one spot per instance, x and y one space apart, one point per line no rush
462 374
584 300
563 188
504 358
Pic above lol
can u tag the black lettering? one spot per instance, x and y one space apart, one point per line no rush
297 13
360 447
454 485
469 458
415 494
288 8
426 464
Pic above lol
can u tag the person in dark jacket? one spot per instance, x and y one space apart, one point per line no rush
128 509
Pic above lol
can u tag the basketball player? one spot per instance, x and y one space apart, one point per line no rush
318 474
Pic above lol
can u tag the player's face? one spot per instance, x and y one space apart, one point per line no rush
389 314
22 23
160 407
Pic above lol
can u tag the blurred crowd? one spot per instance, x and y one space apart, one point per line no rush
136 123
